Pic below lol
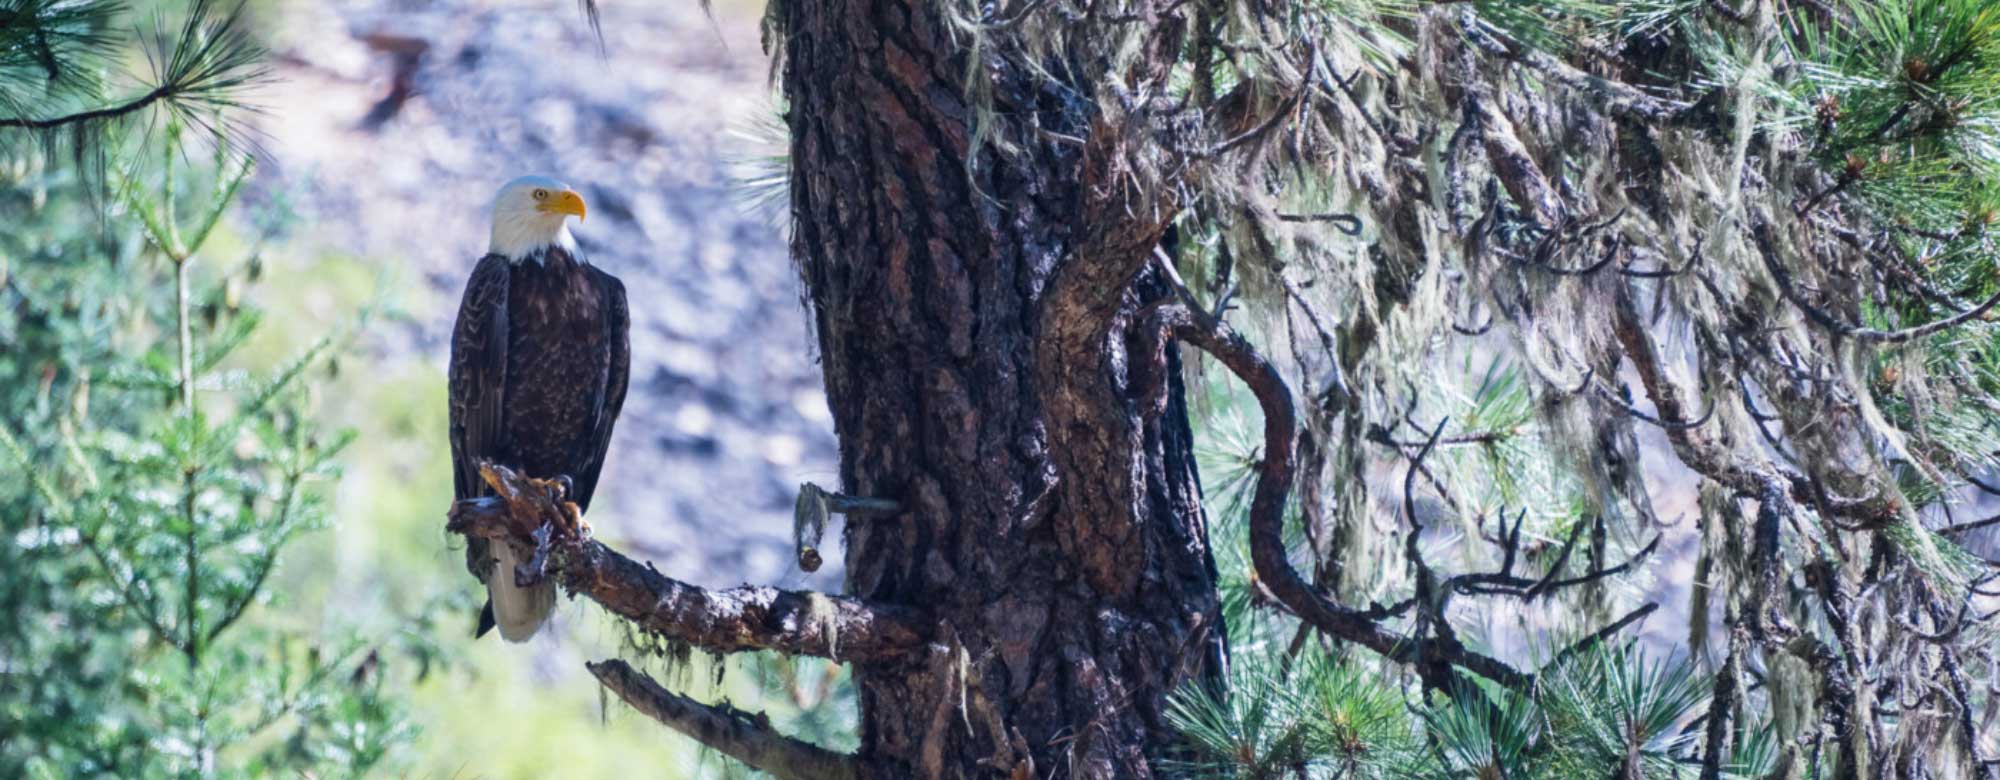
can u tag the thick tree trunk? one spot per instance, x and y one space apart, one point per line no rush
971 323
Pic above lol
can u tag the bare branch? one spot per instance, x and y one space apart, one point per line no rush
1603 633
1343 222
1611 95
1506 583
733 732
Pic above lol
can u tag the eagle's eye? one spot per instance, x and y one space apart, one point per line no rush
541 194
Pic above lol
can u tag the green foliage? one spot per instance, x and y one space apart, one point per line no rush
1277 719
1865 134
162 487
1482 732
1607 711
156 478
1612 708
1294 705
54 55
1905 99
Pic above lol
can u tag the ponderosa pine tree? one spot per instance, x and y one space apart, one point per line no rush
1496 270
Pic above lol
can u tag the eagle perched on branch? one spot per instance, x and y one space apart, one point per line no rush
539 359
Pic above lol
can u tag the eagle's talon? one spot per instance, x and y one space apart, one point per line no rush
532 571
576 527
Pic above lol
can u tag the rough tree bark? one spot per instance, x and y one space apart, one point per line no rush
971 310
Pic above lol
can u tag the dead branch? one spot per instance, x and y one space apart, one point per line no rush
1506 583
1345 223
1612 95
1602 634
747 617
735 733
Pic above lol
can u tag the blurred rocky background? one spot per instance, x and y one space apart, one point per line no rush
385 137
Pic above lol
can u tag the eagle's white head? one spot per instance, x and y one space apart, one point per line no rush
531 214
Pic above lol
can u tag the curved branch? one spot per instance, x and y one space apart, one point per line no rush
747 617
1610 253
1477 330
733 732
1267 509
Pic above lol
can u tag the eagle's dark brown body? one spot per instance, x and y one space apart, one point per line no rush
539 360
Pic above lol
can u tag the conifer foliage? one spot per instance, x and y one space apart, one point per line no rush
152 483
1756 240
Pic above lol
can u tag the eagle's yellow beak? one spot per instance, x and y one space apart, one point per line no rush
565 202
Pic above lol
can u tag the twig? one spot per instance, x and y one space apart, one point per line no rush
809 516
1789 288
1336 382
1603 633
1984 486
1477 437
1345 223
162 92
1478 330
1847 179
1262 128
1662 423
1018 16
1969 525
1666 271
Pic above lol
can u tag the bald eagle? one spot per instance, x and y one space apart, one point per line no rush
539 359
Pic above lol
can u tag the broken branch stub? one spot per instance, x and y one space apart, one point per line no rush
808 525
810 512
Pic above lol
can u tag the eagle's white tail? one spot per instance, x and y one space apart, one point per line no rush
517 611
